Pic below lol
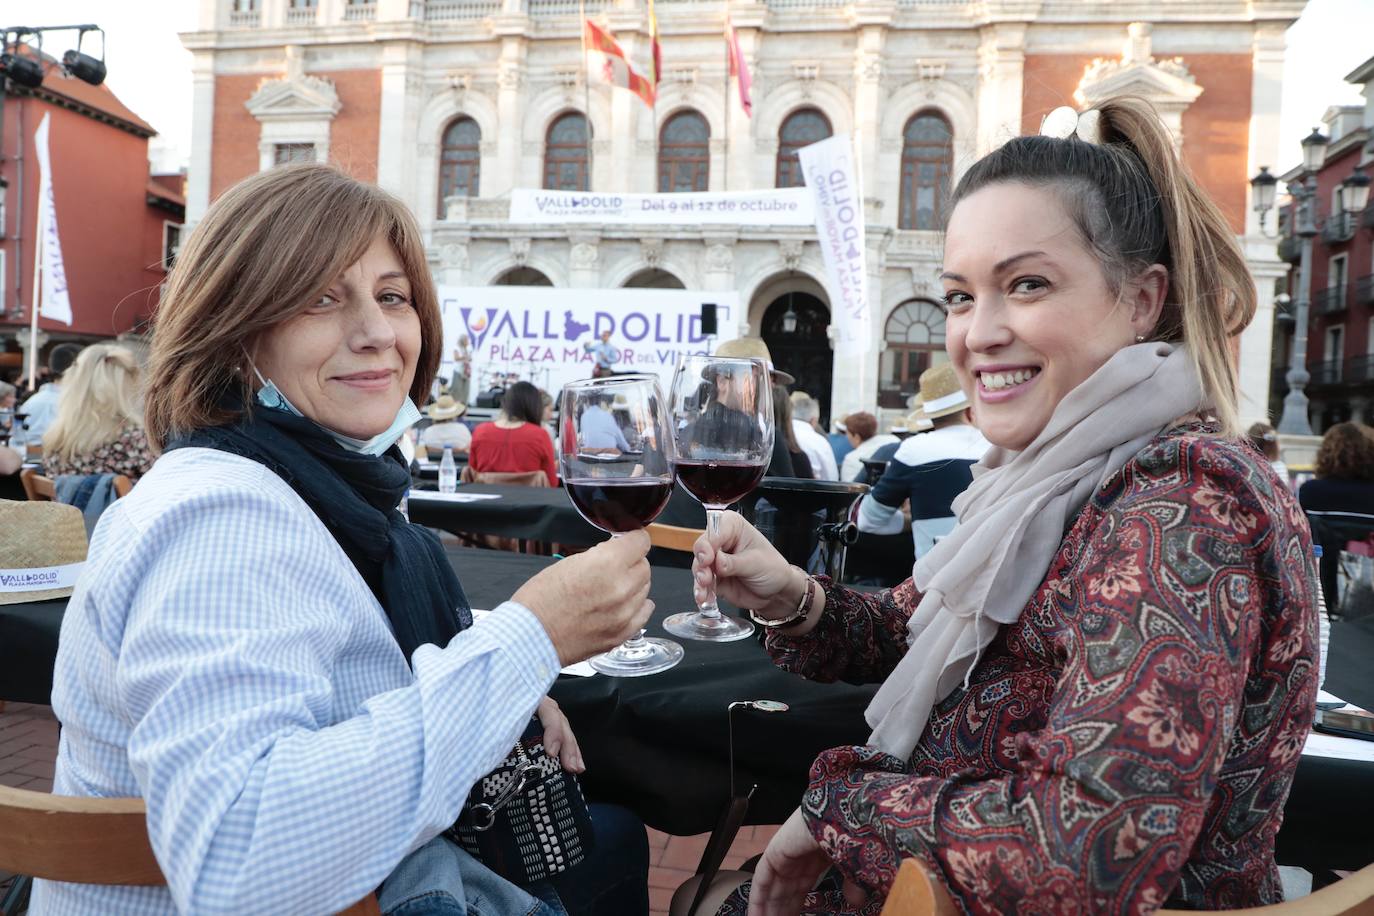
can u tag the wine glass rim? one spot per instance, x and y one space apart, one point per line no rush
611 380
706 357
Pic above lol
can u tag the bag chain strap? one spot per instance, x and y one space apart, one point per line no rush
483 814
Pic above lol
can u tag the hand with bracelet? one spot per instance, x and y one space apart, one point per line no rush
749 572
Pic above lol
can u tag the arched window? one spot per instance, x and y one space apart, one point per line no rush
565 154
460 161
927 162
915 336
684 153
802 128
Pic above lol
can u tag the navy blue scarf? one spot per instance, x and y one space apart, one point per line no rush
356 496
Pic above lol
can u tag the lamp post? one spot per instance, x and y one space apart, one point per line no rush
1304 193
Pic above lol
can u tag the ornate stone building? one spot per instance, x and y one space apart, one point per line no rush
453 103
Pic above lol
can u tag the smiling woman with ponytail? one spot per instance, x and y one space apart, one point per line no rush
1096 688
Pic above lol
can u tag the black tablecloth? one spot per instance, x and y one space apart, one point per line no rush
530 513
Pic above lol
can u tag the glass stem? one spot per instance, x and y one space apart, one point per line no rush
635 646
708 606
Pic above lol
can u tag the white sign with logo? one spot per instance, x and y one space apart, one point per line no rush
832 175
780 207
542 334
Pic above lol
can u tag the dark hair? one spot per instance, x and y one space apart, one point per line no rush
861 424
1346 452
1136 205
782 418
62 356
522 402
1264 439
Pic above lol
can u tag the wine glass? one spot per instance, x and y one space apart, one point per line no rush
615 454
722 416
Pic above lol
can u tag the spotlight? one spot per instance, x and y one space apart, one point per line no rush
23 70
84 67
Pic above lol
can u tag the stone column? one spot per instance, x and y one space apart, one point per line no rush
202 136
398 120
868 101
1001 71
500 179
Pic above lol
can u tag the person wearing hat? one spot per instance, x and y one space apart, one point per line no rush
447 428
930 469
784 446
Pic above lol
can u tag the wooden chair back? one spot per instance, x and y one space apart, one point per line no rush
505 478
917 893
44 489
672 537
87 841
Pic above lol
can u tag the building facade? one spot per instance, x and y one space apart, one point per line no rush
1340 332
451 104
118 225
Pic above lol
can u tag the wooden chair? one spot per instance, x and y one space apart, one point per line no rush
87 841
39 488
917 893
508 479
671 537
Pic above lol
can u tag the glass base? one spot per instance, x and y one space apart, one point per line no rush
696 625
648 656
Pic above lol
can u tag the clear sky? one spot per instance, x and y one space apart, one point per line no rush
150 71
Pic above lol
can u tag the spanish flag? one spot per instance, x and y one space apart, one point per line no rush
739 68
605 56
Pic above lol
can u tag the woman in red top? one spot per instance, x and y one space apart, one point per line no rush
515 441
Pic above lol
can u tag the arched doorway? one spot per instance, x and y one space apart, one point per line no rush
654 278
799 345
522 276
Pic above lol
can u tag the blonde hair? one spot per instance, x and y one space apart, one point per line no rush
1136 204
99 400
264 251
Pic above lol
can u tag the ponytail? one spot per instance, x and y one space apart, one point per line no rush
1136 205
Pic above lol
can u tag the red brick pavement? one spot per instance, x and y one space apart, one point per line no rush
28 747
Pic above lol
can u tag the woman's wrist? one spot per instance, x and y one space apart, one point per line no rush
790 596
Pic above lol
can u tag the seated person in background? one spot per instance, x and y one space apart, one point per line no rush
1096 689
515 441
40 409
99 423
784 433
262 648
448 427
600 431
929 469
1266 441
805 416
781 464
840 446
862 430
1344 479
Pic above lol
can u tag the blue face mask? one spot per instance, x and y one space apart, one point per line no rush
271 397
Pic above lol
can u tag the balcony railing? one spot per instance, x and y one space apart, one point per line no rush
245 19
1327 373
550 8
360 12
458 10
1339 227
1360 369
1330 301
302 15
1364 290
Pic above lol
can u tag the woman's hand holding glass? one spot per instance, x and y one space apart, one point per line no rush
749 572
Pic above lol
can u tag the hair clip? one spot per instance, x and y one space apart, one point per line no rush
1064 122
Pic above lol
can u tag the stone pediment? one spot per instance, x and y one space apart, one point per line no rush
1167 83
294 98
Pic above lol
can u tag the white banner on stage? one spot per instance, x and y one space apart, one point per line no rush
773 207
832 175
54 302
540 334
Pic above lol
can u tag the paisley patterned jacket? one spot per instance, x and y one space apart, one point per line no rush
1130 741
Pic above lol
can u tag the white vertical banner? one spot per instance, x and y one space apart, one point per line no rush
54 302
831 171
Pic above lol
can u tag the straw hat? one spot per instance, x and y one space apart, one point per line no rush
754 348
940 392
917 421
42 550
445 407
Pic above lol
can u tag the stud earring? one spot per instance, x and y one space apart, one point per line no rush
1140 338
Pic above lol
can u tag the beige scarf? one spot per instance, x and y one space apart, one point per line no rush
1012 519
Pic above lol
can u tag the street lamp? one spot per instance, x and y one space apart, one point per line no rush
1355 196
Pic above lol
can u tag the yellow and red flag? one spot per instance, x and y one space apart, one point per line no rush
605 56
738 68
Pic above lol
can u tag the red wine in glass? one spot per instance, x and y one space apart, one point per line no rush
619 505
718 483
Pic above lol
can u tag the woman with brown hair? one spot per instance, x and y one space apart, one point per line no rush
1096 688
516 440
261 647
1344 479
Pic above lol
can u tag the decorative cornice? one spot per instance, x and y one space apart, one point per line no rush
294 99
1166 83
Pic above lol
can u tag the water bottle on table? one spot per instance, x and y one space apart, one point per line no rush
448 471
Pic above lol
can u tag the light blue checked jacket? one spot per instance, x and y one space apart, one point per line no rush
222 659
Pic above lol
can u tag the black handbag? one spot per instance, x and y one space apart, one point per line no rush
526 820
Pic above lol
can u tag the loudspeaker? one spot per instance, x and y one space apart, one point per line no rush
491 398
708 319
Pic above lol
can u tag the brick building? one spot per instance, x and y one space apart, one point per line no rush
452 103
117 223
1340 332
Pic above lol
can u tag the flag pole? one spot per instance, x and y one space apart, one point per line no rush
729 58
586 87
33 311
